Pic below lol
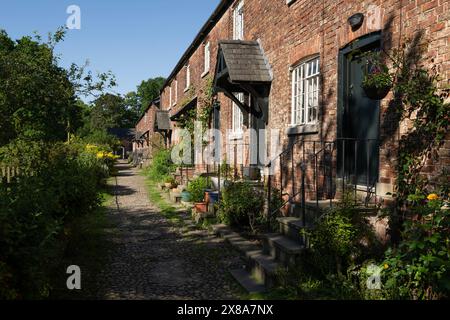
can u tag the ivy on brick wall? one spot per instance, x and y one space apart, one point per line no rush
420 97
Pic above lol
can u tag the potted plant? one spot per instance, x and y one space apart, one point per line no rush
186 196
377 80
196 189
170 182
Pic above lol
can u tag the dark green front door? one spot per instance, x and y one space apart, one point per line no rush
359 117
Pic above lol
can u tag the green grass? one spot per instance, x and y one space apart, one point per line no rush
88 247
167 210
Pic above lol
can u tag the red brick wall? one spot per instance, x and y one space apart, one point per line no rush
289 33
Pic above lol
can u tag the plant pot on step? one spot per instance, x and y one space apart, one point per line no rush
201 207
186 196
376 93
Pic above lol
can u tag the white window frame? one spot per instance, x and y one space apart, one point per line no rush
237 123
176 92
207 62
305 92
188 78
238 21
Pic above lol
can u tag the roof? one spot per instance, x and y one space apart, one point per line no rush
204 31
156 102
122 133
162 120
245 61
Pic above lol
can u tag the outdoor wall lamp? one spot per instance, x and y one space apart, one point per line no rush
356 21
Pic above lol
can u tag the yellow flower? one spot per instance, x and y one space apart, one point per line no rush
100 155
386 266
433 196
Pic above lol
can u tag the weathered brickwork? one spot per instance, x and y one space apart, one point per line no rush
145 126
290 33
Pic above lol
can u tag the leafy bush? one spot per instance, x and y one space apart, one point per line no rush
162 165
57 183
241 204
420 267
197 188
343 237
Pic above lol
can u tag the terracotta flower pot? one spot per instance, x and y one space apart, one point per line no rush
201 207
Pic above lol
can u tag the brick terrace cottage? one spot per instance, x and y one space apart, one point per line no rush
152 130
296 65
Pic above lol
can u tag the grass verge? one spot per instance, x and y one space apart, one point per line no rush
87 246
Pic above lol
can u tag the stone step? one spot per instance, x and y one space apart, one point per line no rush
282 248
245 279
292 228
260 266
263 268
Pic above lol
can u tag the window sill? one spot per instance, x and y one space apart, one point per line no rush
237 136
303 129
204 73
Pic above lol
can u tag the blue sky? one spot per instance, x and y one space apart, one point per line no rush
135 39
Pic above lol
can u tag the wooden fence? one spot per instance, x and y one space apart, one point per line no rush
7 173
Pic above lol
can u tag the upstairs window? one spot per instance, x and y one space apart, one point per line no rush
170 95
176 92
305 92
188 77
207 57
238 22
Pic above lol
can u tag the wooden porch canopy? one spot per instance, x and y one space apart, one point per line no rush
243 67
162 121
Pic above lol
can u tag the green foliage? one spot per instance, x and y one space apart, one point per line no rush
58 182
162 165
420 267
343 237
197 188
101 137
36 96
148 91
241 205
109 111
377 73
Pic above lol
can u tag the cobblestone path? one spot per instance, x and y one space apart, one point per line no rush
153 258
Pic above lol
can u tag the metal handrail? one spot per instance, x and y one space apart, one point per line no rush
325 146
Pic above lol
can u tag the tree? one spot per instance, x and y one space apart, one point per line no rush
37 99
149 90
107 112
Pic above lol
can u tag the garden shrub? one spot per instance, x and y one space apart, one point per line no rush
197 188
342 237
419 268
162 165
242 205
57 183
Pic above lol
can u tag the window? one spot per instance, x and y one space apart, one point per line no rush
305 92
170 95
188 77
207 57
238 22
176 92
238 116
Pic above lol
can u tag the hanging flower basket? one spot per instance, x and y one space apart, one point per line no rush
376 93
377 81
